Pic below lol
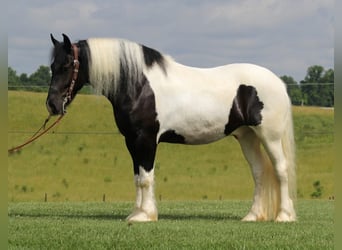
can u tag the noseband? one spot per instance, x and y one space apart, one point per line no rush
76 66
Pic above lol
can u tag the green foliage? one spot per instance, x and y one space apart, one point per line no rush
318 190
181 225
317 87
293 90
37 81
41 77
13 79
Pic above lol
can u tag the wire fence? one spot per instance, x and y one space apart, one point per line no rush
302 132
69 132
87 89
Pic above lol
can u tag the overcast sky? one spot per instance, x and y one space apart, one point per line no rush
284 36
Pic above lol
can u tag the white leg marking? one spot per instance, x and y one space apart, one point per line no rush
145 206
138 192
250 145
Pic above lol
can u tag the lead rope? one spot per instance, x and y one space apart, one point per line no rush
37 134
67 98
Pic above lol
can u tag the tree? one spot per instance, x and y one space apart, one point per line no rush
329 76
13 79
293 90
328 79
317 86
24 79
41 76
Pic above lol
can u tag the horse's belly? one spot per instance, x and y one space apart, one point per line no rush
197 121
197 136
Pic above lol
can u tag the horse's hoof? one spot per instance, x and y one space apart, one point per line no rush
250 217
141 216
283 216
253 217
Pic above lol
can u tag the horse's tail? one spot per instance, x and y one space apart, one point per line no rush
288 144
270 191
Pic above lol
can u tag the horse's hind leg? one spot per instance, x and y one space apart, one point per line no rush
281 165
265 193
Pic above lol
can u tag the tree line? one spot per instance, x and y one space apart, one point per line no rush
316 89
37 81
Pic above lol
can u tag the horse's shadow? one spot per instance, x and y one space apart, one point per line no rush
122 217
208 217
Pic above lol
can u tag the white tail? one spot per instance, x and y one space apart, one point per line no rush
288 144
270 192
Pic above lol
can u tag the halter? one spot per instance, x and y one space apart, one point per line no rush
76 66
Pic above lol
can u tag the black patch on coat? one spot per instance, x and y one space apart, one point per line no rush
171 136
135 115
246 109
152 56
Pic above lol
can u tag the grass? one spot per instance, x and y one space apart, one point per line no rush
85 157
182 225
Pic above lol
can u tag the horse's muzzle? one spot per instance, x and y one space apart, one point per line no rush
55 106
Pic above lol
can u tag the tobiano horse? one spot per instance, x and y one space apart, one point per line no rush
155 99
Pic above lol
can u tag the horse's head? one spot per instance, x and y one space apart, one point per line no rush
64 81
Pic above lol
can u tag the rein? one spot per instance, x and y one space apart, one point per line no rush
37 134
67 99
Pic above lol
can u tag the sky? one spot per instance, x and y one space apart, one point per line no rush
285 36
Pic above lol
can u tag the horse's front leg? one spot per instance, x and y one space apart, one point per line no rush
145 205
143 152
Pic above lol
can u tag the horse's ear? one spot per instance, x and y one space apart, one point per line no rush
67 43
54 41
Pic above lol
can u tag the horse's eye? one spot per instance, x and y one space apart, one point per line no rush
67 65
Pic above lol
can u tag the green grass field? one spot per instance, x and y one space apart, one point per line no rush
182 225
85 157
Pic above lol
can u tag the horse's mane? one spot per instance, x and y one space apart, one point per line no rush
113 61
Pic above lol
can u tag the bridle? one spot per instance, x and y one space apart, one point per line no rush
74 76
67 99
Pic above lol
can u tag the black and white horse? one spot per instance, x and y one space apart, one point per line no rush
156 99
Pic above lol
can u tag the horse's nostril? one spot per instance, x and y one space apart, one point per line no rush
51 107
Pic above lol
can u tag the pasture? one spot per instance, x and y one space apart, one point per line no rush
85 157
202 191
182 225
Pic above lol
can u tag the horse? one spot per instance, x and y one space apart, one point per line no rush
155 100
